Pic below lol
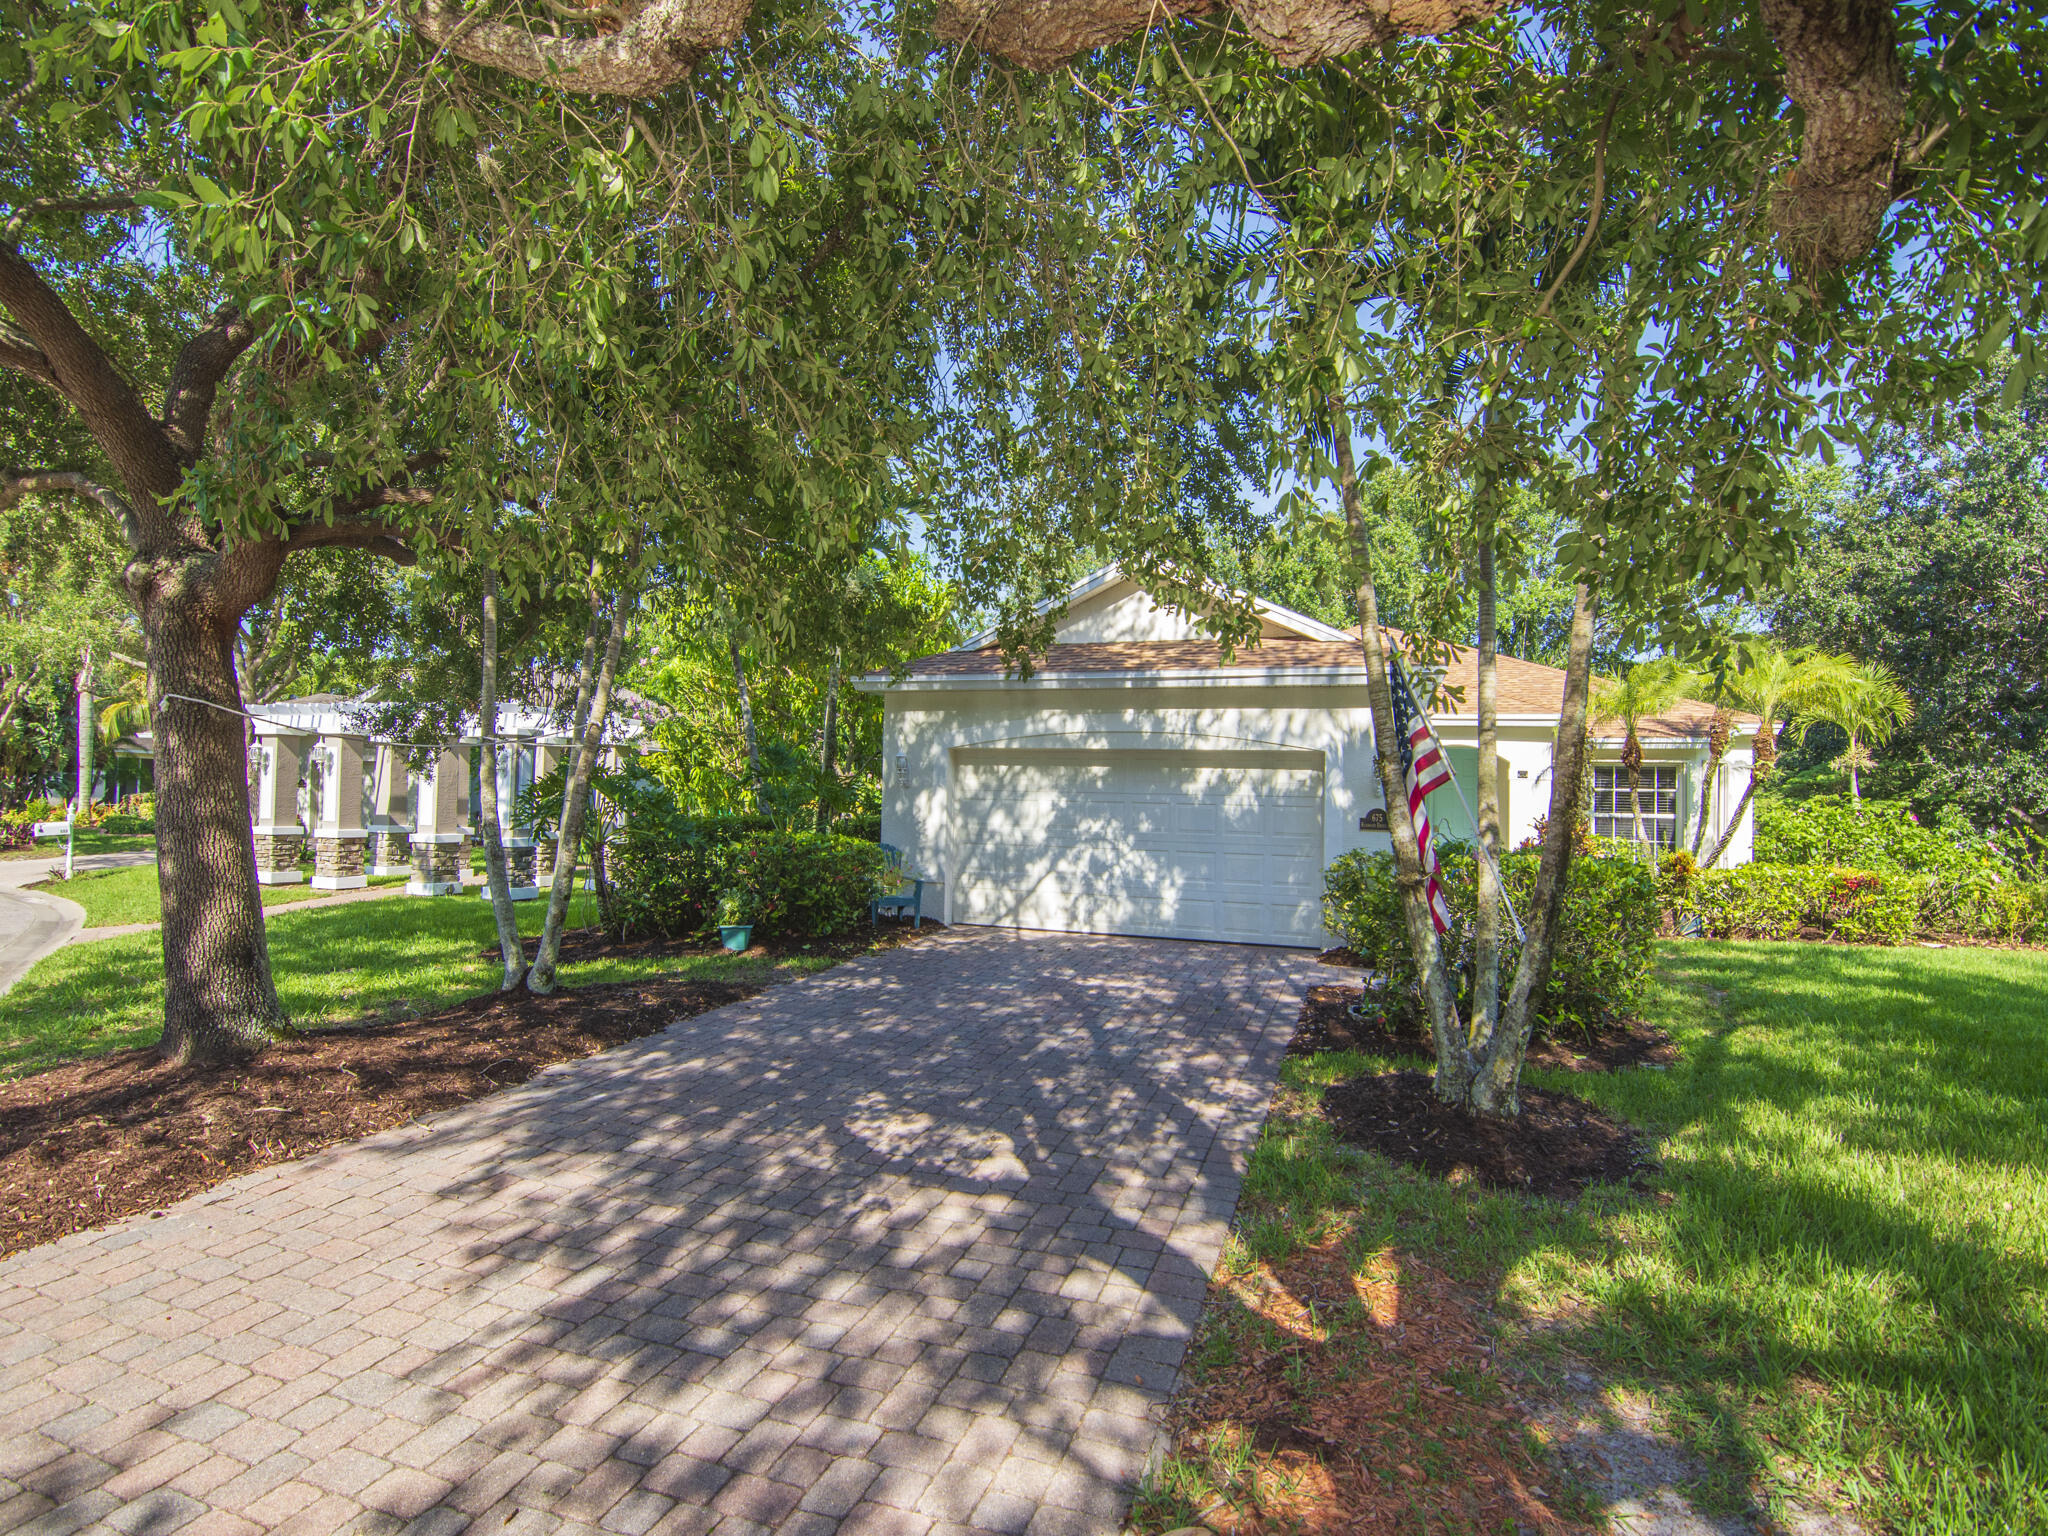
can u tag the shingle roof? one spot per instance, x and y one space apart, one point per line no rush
1526 687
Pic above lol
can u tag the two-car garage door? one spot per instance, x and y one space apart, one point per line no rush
1198 845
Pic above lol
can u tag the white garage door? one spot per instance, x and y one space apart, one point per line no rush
1198 845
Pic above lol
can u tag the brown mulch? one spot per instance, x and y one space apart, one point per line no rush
580 945
1358 1396
85 1144
1557 1145
1327 1024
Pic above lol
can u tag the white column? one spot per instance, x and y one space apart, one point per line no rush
338 830
275 762
440 837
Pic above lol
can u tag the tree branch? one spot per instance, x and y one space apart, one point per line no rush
202 363
1842 70
658 44
24 357
15 484
114 413
112 203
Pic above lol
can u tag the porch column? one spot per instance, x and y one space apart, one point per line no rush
515 777
440 839
549 753
390 812
338 830
275 762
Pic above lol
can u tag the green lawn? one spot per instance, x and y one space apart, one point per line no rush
373 959
88 842
112 897
1844 1283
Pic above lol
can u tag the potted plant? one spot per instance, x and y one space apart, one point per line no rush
735 931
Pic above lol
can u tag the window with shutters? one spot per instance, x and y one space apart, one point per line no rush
1656 795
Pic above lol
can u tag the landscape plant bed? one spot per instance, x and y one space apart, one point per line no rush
1340 1391
1327 1024
90 1142
587 944
1557 1146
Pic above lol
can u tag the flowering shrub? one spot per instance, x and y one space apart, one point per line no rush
1609 925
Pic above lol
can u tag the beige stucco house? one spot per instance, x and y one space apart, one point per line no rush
1137 782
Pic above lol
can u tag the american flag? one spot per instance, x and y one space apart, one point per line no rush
1422 769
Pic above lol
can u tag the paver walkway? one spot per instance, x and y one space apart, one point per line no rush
914 1245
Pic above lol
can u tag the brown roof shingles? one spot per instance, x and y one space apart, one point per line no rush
1526 687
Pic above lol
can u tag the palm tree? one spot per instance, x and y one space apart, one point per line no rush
1648 688
1867 703
1773 684
1720 730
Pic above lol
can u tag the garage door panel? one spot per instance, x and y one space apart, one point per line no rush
1197 845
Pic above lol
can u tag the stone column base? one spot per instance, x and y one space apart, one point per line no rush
388 855
544 863
338 862
438 863
277 858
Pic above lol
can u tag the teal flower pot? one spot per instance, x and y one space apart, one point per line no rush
735 936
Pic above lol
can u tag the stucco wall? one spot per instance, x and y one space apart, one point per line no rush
921 730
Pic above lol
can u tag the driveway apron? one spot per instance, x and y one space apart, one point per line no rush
914 1245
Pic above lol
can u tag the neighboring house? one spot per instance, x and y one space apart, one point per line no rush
1139 783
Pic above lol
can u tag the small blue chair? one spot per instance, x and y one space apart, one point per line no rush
902 903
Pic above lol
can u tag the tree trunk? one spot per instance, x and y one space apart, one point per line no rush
500 886
753 740
1497 1086
828 744
85 734
1635 803
541 978
1759 770
1699 831
1453 1070
220 1003
1486 928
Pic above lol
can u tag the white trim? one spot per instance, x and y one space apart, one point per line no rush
1111 574
433 888
340 834
340 882
386 871
279 877
278 829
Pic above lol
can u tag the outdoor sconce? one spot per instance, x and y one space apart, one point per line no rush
902 767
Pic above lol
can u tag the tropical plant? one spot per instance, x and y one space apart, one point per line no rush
1774 684
1647 689
1867 704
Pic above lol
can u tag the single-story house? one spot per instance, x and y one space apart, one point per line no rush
1137 782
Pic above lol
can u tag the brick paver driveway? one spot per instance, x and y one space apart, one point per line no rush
913 1245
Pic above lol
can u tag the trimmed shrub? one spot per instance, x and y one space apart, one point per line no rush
807 884
1880 835
667 877
1604 945
1867 906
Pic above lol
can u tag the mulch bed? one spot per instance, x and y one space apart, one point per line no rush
1374 1405
1327 1024
86 1144
580 945
1557 1145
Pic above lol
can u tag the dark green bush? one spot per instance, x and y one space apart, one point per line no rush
1872 906
807 884
667 876
1602 968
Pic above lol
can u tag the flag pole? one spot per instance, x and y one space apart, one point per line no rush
1521 934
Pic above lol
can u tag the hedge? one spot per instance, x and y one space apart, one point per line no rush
1868 906
1605 940
667 878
